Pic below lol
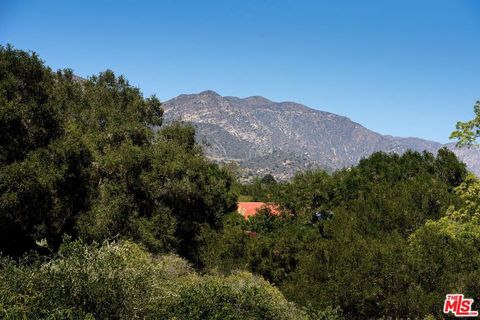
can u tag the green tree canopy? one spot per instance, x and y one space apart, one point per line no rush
345 238
467 132
91 158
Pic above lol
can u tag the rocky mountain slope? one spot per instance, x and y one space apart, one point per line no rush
281 138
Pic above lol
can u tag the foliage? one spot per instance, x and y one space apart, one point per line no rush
122 281
86 158
260 189
91 159
345 239
28 119
444 253
467 132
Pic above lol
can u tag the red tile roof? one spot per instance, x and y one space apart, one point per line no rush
248 209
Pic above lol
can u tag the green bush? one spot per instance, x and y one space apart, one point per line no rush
90 158
346 240
122 281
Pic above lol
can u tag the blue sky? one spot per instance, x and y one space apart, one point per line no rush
405 67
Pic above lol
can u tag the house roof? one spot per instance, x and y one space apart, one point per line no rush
248 209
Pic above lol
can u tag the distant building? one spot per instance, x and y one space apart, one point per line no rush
248 209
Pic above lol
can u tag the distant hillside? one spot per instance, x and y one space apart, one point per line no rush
281 138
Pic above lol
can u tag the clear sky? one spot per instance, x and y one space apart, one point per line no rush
404 67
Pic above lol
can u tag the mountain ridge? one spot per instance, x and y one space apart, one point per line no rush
264 136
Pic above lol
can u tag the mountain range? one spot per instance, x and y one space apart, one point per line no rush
281 138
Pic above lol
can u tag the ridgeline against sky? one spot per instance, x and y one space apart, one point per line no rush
405 68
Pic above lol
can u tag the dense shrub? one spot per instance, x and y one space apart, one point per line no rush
91 159
347 239
122 281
